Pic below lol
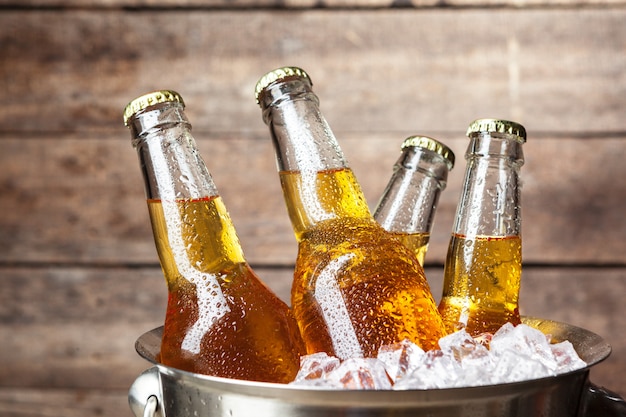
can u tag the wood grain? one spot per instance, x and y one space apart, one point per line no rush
20 402
560 70
79 199
302 4
79 273
76 327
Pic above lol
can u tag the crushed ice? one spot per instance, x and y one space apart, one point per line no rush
512 354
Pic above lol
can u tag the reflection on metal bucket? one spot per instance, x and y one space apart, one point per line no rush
166 392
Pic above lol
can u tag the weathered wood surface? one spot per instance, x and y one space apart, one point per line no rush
20 402
84 321
559 71
302 4
85 195
80 280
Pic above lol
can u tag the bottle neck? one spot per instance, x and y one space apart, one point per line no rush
301 135
490 201
410 199
318 184
193 231
172 166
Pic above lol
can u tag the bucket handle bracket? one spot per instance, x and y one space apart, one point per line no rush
145 397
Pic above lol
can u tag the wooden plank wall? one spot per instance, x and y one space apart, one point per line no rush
78 272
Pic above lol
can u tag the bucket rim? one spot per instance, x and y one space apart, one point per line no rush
591 347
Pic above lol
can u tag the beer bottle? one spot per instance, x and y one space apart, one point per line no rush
407 206
356 287
221 320
484 261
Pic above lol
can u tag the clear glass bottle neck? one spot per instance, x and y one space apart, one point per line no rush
193 231
410 199
490 200
504 146
317 183
302 137
172 166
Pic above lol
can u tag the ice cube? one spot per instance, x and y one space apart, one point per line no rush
526 341
318 382
400 358
484 339
361 373
566 357
472 355
477 367
504 330
436 370
514 366
457 344
515 353
316 366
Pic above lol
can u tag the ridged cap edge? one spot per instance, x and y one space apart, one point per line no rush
150 99
497 125
431 144
276 75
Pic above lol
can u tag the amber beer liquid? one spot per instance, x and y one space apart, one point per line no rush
250 345
482 273
349 270
482 283
355 287
408 204
221 319
417 242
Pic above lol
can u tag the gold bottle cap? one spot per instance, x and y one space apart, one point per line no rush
276 75
432 145
150 99
497 125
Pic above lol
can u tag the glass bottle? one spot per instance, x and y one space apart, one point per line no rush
221 319
484 261
355 286
407 206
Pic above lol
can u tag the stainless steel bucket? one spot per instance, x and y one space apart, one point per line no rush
162 391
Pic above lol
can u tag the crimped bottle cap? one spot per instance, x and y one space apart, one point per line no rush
150 99
499 126
276 75
432 145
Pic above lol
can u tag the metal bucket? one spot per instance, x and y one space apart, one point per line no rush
162 391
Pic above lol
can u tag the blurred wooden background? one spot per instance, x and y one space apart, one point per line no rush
79 276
